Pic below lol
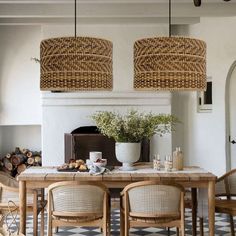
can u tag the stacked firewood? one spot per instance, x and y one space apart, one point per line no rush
17 161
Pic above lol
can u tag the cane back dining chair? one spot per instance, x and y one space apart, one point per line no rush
9 191
225 198
74 203
152 204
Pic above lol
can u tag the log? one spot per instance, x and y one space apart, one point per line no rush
21 168
8 155
24 150
29 154
36 153
1 163
17 150
7 164
16 160
30 161
38 160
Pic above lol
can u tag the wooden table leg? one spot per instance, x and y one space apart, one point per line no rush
194 211
211 207
22 206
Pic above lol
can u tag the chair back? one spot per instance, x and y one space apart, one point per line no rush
8 188
226 184
152 199
232 183
76 198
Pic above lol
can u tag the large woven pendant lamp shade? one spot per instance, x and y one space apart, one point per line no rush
75 63
169 63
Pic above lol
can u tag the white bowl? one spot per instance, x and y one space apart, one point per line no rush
100 164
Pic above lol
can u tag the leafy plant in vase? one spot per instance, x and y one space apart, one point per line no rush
130 129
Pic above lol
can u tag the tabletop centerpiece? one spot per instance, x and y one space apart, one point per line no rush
130 129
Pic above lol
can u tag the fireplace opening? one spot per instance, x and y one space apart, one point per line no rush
85 139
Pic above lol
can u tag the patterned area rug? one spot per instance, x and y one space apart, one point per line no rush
222 227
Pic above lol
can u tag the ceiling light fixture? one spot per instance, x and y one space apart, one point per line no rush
76 63
169 63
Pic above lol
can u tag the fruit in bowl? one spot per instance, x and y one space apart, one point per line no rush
100 162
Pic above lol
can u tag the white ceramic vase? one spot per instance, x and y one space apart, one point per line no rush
127 154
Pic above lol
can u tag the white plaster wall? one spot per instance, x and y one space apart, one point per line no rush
123 38
19 76
20 109
202 135
23 136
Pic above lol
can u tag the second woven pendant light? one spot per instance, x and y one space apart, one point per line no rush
170 63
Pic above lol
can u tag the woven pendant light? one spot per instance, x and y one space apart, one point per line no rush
170 63
75 63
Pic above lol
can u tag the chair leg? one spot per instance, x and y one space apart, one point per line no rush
42 213
121 223
49 226
126 224
194 211
35 215
42 223
201 226
168 231
177 231
56 230
232 225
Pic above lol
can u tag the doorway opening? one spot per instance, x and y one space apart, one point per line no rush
230 117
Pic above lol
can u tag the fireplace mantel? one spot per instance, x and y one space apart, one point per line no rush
64 112
106 99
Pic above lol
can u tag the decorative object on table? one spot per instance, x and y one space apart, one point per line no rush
170 63
8 221
93 156
73 166
157 162
100 162
18 160
130 129
178 159
128 153
168 163
76 63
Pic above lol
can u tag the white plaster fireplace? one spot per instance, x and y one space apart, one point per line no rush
63 112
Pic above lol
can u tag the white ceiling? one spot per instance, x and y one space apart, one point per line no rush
110 11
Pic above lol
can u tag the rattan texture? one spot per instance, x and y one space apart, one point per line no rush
220 188
76 63
12 193
78 198
155 199
232 183
170 63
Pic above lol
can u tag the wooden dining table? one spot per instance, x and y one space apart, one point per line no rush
190 177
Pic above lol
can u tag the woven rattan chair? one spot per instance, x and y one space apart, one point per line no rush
9 191
225 198
151 204
72 203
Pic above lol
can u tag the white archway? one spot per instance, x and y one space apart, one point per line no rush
227 115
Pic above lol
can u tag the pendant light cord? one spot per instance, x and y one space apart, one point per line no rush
170 18
75 20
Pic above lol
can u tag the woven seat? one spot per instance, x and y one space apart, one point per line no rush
72 203
225 198
9 191
151 204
